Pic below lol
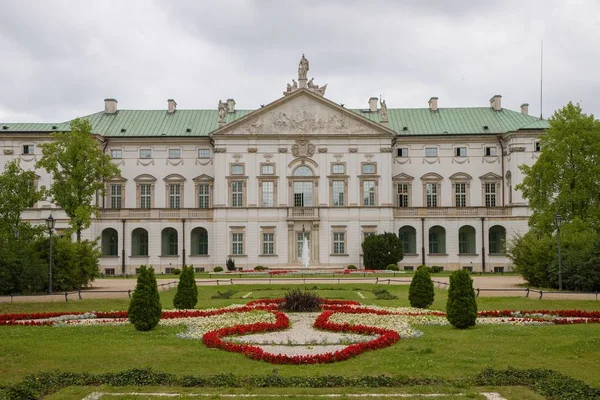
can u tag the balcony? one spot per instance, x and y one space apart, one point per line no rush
451 211
303 213
156 213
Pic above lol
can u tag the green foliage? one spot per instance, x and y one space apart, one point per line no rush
531 255
436 268
392 267
218 269
382 250
223 295
186 296
176 271
461 308
230 264
145 308
297 300
351 266
259 268
425 267
78 168
420 292
384 294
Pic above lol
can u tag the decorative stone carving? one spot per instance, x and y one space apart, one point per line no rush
516 149
282 150
383 112
222 108
8 151
220 150
322 149
252 149
385 149
236 157
303 148
353 150
303 68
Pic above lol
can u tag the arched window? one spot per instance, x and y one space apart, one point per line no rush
303 170
110 242
437 240
497 236
139 242
169 242
466 240
199 242
408 235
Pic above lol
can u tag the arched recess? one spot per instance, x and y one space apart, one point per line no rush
497 239
303 170
408 235
169 242
437 240
466 240
139 242
199 245
110 242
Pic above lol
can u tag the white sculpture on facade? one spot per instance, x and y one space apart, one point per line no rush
383 112
303 68
222 107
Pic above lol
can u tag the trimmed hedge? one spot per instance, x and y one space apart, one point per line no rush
218 269
420 292
351 266
186 296
392 267
461 308
145 308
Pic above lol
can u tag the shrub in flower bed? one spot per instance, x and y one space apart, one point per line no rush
145 308
420 292
392 267
297 300
186 296
383 294
218 269
461 308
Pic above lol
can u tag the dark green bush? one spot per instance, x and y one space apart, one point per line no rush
145 308
392 267
176 271
420 292
230 264
384 294
425 267
297 300
381 250
186 296
351 266
461 308
224 295
259 268
436 268
218 269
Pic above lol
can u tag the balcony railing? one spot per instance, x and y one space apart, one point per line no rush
303 213
451 211
156 213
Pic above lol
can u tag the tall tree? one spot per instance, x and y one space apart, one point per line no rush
17 193
566 177
78 169
381 250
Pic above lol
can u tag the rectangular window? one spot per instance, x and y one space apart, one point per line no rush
145 196
267 194
498 270
203 153
268 170
116 153
109 271
402 152
460 190
268 244
115 196
431 195
203 196
490 151
29 149
237 170
537 146
431 152
339 189
175 196
338 169
368 168
237 244
145 153
237 194
368 193
338 243
402 195
367 234
174 154
490 194
460 151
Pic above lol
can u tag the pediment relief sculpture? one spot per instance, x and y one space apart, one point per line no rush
303 148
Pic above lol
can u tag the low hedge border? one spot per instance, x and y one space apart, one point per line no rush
548 383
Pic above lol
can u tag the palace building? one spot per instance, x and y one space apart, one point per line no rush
199 186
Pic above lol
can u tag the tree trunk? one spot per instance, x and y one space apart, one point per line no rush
78 235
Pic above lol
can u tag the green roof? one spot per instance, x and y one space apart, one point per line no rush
405 121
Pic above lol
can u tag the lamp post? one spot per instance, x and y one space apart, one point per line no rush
50 224
558 221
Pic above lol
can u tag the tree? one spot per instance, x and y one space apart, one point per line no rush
145 309
78 169
382 250
461 307
186 296
420 292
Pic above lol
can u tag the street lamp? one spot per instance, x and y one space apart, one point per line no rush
50 224
558 221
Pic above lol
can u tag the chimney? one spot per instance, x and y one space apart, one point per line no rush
525 108
433 104
230 105
496 102
171 106
110 106
373 104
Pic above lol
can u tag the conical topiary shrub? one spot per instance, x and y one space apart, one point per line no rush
186 296
145 308
420 293
461 308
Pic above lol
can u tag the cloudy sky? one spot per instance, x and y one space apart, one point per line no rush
60 59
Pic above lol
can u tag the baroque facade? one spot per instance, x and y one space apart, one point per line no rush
199 186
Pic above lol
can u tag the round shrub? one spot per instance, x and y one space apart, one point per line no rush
145 308
218 269
176 271
461 308
436 268
186 296
392 267
420 292
351 266
425 267
259 268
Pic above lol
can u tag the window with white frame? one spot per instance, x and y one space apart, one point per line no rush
338 168
267 169
28 149
237 244
203 153
431 152
145 153
268 193
402 195
268 244
204 195
490 194
175 195
368 168
402 152
237 169
145 195
174 154
431 192
116 153
339 190
368 193
116 195
339 242
460 193
237 194
490 151
460 151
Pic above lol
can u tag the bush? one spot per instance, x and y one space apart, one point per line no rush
436 268
461 308
392 267
425 267
259 268
186 296
420 292
382 250
176 271
225 295
296 300
384 294
218 269
145 308
230 264
351 266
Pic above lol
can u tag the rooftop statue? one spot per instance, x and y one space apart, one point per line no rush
303 68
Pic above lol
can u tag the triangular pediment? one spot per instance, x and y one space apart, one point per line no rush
303 113
203 178
402 177
490 176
